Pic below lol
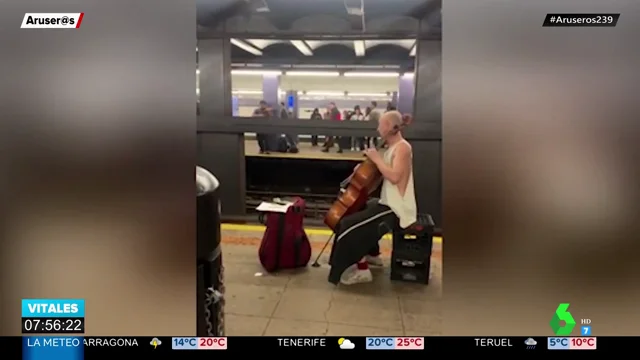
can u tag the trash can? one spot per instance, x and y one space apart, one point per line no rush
210 271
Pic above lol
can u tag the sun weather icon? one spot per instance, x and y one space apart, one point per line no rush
531 344
346 344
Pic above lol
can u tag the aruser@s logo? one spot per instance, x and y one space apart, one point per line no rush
52 21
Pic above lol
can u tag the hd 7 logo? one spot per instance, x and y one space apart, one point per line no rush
562 323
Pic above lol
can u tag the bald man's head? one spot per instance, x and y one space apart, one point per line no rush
394 117
389 122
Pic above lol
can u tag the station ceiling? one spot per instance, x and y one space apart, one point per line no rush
369 54
320 16
282 20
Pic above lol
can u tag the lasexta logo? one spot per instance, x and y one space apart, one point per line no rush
562 314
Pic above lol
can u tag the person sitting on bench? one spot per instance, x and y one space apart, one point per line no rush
357 234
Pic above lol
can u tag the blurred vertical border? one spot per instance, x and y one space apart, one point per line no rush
98 160
541 199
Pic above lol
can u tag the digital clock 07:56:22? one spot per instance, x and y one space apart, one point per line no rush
52 325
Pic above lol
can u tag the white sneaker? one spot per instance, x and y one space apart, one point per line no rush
374 260
356 277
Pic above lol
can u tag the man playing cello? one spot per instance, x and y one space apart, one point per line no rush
357 235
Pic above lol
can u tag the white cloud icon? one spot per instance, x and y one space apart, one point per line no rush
347 344
530 342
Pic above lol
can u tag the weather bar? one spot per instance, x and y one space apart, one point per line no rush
179 347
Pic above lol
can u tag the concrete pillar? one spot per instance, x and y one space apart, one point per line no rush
406 90
427 108
270 87
428 81
214 63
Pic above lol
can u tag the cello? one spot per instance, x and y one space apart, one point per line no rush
356 189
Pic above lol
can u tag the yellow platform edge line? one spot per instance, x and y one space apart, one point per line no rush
310 231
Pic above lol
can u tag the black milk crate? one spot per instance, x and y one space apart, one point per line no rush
412 247
419 274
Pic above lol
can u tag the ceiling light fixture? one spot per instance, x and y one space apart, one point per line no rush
302 47
407 75
247 92
323 93
383 95
358 46
246 47
354 7
370 74
256 72
259 6
313 73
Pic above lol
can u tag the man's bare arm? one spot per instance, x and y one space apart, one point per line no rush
400 166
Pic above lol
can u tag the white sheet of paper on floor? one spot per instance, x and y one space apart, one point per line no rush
273 207
257 274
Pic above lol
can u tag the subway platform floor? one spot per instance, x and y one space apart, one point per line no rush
303 303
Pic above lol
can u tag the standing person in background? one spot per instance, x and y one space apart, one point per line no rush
367 140
358 116
315 115
346 142
291 139
283 111
262 111
334 115
390 106
326 116
375 115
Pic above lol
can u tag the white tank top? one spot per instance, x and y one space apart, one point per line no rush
405 206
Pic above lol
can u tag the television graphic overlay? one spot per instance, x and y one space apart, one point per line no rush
53 316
